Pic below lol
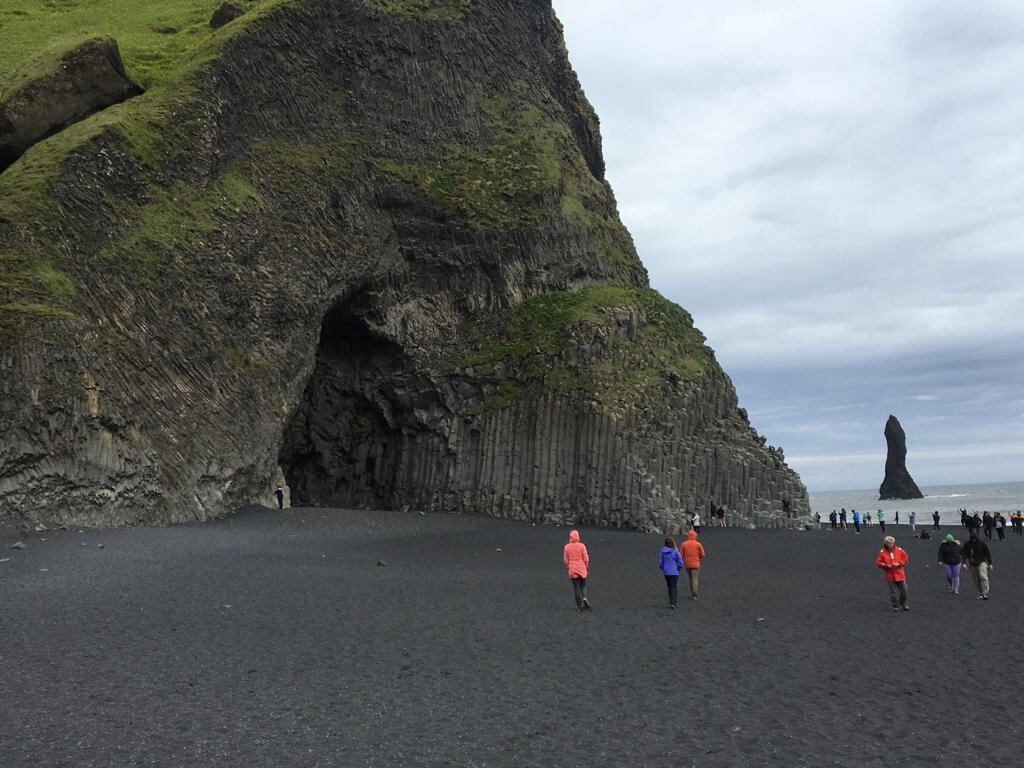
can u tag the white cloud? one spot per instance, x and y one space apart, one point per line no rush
834 190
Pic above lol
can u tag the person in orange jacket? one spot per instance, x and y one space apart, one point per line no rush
577 561
692 552
892 559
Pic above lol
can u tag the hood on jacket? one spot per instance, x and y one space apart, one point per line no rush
574 536
691 535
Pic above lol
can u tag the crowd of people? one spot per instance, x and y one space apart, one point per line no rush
953 557
671 561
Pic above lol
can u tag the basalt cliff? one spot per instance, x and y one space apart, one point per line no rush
362 247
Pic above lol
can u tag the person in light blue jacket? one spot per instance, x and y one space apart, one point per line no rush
670 562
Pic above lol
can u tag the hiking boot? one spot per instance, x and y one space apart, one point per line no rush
896 608
586 605
956 591
906 607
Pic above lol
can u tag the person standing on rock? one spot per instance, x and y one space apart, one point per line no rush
280 496
978 558
692 552
577 563
950 561
892 560
670 562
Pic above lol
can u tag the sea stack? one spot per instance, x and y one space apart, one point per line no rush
898 484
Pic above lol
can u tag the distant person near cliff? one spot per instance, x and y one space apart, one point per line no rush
893 560
693 553
978 558
950 561
913 521
670 562
695 521
280 496
577 563
881 520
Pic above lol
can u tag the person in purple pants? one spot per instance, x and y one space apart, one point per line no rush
951 562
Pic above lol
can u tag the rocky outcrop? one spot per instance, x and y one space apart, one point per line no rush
373 255
59 90
898 484
225 14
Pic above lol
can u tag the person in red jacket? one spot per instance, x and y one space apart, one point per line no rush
577 561
892 559
692 552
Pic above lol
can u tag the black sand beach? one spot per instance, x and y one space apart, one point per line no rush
274 639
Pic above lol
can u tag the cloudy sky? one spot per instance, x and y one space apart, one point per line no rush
836 192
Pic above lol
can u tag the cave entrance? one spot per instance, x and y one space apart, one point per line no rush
344 444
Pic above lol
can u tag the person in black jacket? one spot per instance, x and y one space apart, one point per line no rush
935 519
950 560
976 554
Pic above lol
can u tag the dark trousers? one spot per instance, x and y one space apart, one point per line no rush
856 524
280 501
881 524
898 593
936 525
579 590
1002 534
672 582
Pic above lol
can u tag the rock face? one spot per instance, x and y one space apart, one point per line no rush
372 255
898 484
56 92
225 14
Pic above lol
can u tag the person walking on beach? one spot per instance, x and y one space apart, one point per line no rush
963 518
935 519
978 558
973 524
986 524
692 552
577 563
897 520
913 521
695 521
280 496
881 520
670 562
892 560
832 519
842 518
1000 526
856 520
950 561
1020 523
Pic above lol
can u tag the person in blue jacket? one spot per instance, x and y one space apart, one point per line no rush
670 562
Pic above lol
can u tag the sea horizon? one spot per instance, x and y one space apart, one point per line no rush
948 500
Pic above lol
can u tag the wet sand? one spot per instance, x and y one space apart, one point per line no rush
274 639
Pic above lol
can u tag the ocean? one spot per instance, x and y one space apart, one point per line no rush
947 499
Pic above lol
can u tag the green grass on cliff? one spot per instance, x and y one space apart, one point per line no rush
503 185
534 341
33 34
423 9
33 29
